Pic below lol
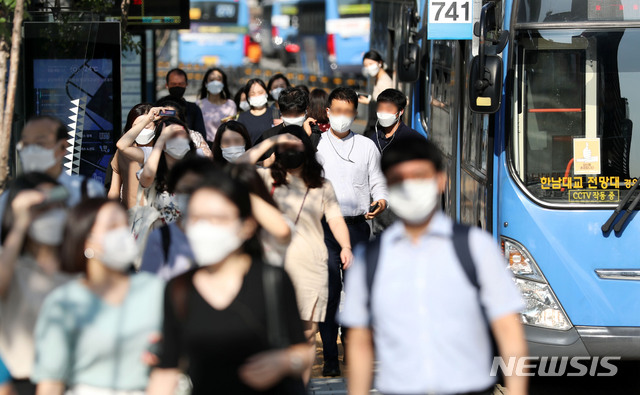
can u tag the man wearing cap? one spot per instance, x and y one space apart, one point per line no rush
412 295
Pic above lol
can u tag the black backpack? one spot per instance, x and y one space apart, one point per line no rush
463 252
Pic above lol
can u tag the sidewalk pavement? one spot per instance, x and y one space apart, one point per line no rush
338 386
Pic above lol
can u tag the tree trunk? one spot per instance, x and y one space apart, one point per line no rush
7 122
4 55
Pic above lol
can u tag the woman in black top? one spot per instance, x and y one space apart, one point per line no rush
260 117
216 315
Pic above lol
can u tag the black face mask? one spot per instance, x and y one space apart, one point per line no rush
177 91
291 159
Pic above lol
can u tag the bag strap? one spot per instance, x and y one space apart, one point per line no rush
463 251
166 240
272 280
461 244
273 189
304 199
372 256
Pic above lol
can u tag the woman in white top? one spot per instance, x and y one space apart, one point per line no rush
29 267
373 67
215 101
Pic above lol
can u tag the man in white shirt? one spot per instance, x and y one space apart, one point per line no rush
416 300
352 163
42 148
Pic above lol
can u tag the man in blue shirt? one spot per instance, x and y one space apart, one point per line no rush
429 323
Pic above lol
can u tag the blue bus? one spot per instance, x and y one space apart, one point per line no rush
536 117
348 23
219 33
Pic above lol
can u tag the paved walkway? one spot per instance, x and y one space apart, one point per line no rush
338 386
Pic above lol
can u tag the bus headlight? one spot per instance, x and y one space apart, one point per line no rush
542 307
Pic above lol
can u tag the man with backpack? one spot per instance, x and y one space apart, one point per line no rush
433 296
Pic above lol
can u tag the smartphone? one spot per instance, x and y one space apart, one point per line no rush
167 113
374 207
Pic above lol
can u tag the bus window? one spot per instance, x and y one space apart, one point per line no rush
572 85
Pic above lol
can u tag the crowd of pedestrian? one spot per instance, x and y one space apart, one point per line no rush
224 242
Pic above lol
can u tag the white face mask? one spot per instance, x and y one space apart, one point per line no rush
414 200
37 158
47 229
371 71
340 123
210 243
299 121
385 119
258 101
146 136
245 106
275 93
215 87
177 147
230 154
119 249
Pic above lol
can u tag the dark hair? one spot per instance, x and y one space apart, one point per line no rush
304 88
238 194
247 174
77 229
343 94
251 82
22 183
170 101
393 96
373 55
162 174
318 105
62 133
237 98
134 113
225 94
274 78
293 100
411 148
234 126
179 71
197 165
312 172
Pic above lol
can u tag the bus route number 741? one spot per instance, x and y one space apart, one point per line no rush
449 11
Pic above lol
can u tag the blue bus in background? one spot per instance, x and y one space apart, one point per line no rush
537 122
348 24
219 33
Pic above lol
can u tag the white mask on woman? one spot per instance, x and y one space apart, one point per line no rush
275 93
230 154
371 71
215 87
145 136
210 243
298 121
245 106
177 147
258 101
47 228
119 249
414 200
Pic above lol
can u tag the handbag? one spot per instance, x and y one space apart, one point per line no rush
142 220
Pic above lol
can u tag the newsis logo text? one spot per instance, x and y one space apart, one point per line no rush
555 366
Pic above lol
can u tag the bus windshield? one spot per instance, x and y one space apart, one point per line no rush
576 127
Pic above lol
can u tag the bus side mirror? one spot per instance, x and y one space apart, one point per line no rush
485 84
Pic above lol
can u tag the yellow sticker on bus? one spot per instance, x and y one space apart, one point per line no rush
594 196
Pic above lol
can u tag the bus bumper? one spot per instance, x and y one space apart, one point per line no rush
585 341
